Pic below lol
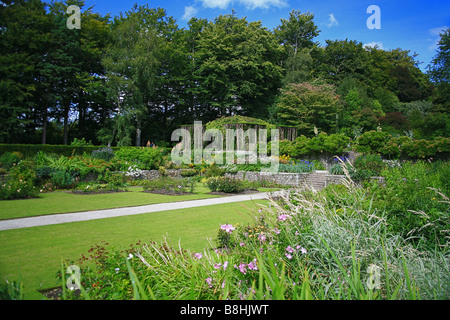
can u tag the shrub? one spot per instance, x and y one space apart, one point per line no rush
367 166
188 172
169 185
20 183
105 153
225 184
62 179
145 158
8 159
372 141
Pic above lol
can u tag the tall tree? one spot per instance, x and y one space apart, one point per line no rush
131 62
239 68
439 71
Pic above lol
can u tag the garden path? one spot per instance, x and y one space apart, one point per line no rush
117 212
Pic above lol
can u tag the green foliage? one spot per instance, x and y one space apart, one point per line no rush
20 183
169 185
367 166
414 195
402 147
62 179
145 158
322 144
8 159
105 153
225 184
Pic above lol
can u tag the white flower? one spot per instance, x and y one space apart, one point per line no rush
130 256
117 270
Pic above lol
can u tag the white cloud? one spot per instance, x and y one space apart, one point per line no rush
374 44
332 21
221 4
435 32
250 4
189 12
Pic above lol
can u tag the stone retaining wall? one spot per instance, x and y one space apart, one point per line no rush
317 179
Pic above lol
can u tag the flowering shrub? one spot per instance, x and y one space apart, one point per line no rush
20 183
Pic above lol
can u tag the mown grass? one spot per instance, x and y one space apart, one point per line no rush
35 254
64 202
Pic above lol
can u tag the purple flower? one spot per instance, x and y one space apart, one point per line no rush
217 265
227 228
242 268
289 256
290 249
198 255
208 280
283 217
242 244
262 237
252 265
276 231
303 250
225 265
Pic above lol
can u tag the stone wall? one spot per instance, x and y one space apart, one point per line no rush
317 179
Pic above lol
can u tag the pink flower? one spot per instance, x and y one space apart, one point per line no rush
262 237
227 228
252 265
198 255
225 265
276 231
303 250
242 244
289 256
242 268
217 265
289 249
283 217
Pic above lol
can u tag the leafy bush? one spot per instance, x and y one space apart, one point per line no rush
20 183
370 164
225 184
62 179
372 141
145 158
8 159
169 185
188 172
105 153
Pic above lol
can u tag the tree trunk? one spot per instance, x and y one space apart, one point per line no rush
66 125
44 128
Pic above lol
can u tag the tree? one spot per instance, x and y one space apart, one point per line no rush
25 33
439 71
308 105
239 68
298 32
131 62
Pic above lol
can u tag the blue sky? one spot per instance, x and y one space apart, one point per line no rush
410 25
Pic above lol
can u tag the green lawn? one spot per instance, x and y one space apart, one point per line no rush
63 202
35 254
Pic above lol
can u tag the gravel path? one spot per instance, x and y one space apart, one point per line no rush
109 213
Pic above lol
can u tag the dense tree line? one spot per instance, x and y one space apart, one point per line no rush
137 76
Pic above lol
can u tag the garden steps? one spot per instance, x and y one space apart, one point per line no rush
315 180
